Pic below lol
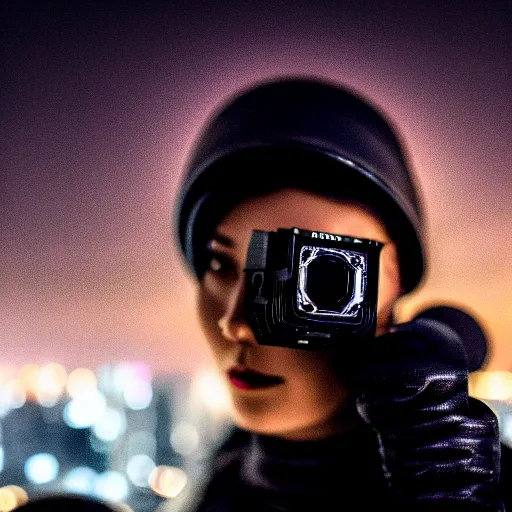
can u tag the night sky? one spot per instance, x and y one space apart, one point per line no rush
100 105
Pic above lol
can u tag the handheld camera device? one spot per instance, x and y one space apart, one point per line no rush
310 289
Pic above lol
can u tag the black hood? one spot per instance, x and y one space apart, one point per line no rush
306 133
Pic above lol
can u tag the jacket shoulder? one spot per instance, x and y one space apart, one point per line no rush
506 475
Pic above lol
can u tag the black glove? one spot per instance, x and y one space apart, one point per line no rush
440 448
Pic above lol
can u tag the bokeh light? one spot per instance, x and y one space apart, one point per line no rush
167 481
80 480
51 384
81 381
138 394
85 409
111 486
139 468
127 372
184 438
41 468
11 497
109 425
29 379
12 396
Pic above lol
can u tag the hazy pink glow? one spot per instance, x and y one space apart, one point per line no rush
93 158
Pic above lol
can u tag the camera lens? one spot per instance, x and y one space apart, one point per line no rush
329 282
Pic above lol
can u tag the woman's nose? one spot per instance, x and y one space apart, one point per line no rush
232 323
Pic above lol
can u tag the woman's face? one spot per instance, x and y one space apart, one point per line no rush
290 393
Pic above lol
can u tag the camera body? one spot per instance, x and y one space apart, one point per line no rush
311 289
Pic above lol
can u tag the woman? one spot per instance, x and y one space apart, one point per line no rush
337 428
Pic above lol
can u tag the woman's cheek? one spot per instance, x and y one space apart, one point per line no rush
208 306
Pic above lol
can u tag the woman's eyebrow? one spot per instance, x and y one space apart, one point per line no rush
222 240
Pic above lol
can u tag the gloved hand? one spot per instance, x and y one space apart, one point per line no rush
440 448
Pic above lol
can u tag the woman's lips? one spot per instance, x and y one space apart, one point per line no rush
243 378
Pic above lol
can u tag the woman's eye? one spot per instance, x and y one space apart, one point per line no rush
215 264
221 265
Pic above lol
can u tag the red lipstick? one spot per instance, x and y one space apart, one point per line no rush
243 378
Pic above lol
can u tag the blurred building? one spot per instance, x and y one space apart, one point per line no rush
115 433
